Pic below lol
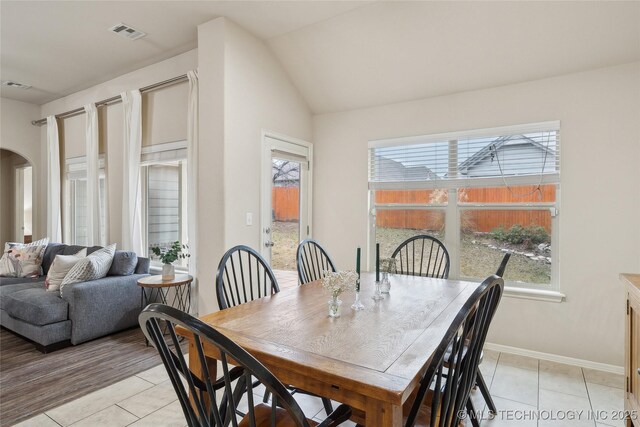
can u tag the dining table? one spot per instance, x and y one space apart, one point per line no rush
371 360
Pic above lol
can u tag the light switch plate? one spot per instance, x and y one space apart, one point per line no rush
249 218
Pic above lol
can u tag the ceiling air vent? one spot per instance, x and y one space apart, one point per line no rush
16 85
126 31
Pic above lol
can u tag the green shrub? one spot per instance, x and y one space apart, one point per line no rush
499 233
517 234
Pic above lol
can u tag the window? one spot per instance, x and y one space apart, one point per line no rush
76 196
483 193
164 197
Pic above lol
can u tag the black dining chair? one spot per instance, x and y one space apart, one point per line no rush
312 261
207 400
480 382
422 256
444 391
243 275
503 265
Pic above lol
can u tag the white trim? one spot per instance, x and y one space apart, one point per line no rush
614 369
546 178
534 294
298 147
474 133
79 164
167 146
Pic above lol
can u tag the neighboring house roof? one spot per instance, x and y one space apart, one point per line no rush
500 154
391 170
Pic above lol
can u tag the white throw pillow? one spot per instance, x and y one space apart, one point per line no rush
23 260
95 266
60 267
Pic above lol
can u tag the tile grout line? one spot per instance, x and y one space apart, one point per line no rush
126 410
153 412
538 404
584 378
45 414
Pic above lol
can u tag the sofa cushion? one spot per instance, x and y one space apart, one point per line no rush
50 253
9 289
36 306
19 280
123 264
23 260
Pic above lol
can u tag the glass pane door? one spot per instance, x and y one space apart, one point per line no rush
285 213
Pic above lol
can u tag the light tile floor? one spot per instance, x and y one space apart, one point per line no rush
527 392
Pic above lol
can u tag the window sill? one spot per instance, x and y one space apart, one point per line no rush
534 294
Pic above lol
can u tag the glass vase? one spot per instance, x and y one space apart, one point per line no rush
334 306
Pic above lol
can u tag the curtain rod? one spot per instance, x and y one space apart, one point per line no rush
112 100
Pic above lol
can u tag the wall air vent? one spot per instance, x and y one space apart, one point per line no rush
16 85
126 31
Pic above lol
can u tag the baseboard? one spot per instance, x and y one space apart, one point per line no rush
555 358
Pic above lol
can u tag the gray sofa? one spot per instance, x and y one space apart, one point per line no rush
88 310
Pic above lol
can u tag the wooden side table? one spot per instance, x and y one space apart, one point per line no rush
154 289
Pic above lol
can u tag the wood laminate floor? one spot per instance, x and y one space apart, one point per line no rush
32 382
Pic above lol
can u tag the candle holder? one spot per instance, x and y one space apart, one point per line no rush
357 304
377 295
385 284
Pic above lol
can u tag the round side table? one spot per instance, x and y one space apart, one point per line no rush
154 289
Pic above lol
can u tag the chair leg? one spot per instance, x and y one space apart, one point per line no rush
267 394
485 393
472 414
328 407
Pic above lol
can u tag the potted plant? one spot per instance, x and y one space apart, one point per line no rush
169 256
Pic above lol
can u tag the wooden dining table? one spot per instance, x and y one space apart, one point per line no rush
371 360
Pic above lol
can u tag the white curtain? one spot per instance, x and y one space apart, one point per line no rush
54 220
132 194
93 185
192 178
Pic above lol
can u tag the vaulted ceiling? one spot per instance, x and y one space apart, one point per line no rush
341 55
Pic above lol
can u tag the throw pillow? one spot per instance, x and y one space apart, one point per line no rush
59 269
94 266
124 264
23 260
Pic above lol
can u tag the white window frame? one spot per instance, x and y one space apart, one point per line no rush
76 169
454 208
159 154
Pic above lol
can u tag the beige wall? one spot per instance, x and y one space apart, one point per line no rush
242 84
211 41
164 113
9 161
600 201
258 96
17 134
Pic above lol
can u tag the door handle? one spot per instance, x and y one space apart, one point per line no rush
268 244
638 371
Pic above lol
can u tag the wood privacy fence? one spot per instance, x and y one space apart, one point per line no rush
286 207
285 202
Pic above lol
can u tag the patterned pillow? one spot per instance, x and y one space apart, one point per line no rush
59 269
95 266
23 260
